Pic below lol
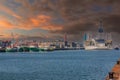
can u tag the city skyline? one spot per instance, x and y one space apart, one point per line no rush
54 18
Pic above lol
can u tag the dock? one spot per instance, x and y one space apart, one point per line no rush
115 72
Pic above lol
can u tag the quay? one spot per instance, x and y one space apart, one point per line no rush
115 72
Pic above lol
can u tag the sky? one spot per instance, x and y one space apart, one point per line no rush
54 18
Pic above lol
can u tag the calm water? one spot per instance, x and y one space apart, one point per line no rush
57 65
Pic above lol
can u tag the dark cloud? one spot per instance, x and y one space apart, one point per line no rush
77 27
84 15
64 16
113 23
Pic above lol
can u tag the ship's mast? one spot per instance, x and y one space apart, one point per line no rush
100 30
12 40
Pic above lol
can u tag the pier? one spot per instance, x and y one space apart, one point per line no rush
115 72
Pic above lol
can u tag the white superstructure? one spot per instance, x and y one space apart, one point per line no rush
99 44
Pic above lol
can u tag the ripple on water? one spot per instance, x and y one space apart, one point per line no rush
58 65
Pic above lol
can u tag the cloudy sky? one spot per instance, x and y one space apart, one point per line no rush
54 18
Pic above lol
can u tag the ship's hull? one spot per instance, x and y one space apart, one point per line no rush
34 49
12 50
46 49
96 48
117 48
2 49
24 49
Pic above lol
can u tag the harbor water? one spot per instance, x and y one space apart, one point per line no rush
57 65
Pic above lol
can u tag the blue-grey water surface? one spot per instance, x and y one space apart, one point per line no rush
57 65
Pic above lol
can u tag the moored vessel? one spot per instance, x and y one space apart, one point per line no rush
98 42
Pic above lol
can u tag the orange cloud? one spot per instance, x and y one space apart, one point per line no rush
5 24
9 11
17 16
52 27
35 22
43 22
41 19
28 22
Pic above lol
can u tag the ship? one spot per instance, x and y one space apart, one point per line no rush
34 49
116 47
46 46
98 42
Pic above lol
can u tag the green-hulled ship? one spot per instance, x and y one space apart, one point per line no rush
34 49
24 49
